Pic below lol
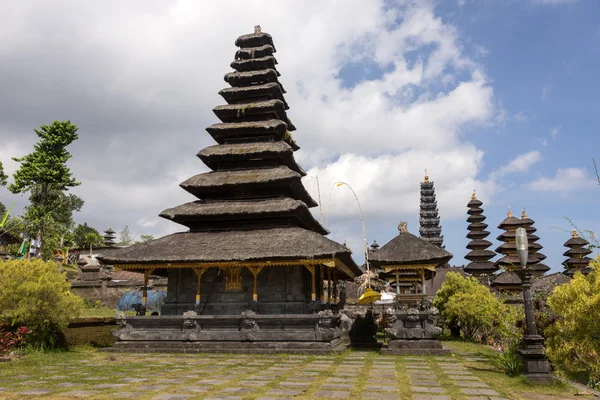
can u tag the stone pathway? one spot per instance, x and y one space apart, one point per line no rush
354 375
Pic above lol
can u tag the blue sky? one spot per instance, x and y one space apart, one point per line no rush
496 96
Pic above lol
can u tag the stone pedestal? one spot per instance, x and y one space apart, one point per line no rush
535 364
413 331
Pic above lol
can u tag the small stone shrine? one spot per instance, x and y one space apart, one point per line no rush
578 260
479 255
413 323
248 274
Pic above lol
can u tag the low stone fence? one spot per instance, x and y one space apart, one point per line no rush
107 291
93 331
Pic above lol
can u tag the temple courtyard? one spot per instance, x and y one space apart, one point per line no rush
468 373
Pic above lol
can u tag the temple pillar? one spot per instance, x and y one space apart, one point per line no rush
313 294
397 283
329 299
255 271
322 280
199 272
422 281
335 288
145 289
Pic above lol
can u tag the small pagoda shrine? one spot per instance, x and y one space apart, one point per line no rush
429 220
109 238
534 261
248 274
407 259
577 260
508 280
479 255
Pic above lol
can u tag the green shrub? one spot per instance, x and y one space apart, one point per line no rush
510 362
573 342
467 304
36 294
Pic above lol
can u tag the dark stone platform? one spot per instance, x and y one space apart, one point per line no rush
245 333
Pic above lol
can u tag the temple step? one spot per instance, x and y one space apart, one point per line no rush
273 347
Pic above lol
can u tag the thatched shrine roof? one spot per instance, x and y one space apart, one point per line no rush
213 156
267 62
277 244
195 213
506 278
7 238
240 94
214 182
269 109
407 249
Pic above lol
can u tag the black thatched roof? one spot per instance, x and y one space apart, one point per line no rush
406 249
435 283
7 238
429 220
506 278
213 182
550 281
253 206
479 255
244 94
510 223
250 245
200 215
213 156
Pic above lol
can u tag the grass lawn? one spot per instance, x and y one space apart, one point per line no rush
90 373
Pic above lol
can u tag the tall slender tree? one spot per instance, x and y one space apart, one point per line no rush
3 182
45 175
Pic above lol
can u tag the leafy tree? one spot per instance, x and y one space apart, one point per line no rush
93 239
146 238
125 238
35 294
3 182
3 176
466 304
45 175
573 342
80 232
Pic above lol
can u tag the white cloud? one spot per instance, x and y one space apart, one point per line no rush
554 132
520 163
565 181
545 92
143 77
389 184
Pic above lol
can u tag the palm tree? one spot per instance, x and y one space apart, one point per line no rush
92 239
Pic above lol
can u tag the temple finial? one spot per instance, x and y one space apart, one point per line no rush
426 179
473 197
257 29
524 213
403 226
574 233
509 212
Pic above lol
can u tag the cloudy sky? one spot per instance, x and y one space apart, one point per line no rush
496 96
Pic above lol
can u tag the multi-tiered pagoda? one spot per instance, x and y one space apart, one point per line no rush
253 254
479 255
578 260
429 220
109 238
535 257
508 280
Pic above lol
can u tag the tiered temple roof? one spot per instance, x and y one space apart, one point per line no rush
429 219
408 260
508 249
533 261
479 255
252 206
577 255
109 238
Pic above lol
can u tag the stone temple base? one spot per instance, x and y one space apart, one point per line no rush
246 333
420 347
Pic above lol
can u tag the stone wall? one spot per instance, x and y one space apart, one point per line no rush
109 292
96 331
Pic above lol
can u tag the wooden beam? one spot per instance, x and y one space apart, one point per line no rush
255 271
